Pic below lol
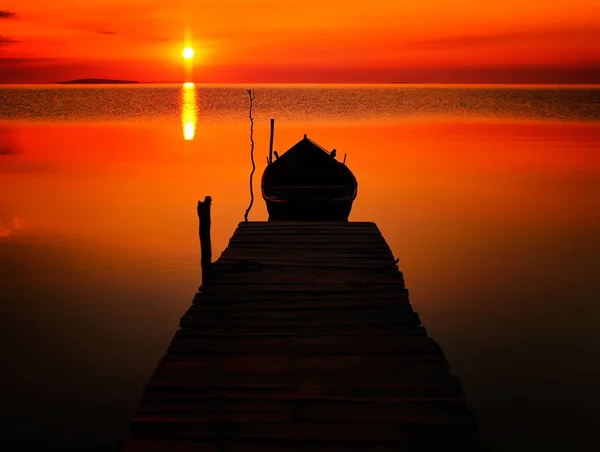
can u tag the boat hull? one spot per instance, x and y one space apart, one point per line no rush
307 183
322 210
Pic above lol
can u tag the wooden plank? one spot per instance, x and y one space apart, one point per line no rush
280 277
319 248
256 259
310 230
299 320
237 399
210 296
210 359
311 364
326 249
244 290
383 432
310 239
402 390
298 264
344 372
311 330
308 313
309 227
374 345
303 224
330 233
268 410
285 304
249 259
161 445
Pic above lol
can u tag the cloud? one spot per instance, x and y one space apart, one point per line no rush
4 41
18 61
105 32
484 40
7 15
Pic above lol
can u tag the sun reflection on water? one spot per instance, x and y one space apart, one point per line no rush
189 113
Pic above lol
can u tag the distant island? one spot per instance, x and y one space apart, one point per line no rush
97 81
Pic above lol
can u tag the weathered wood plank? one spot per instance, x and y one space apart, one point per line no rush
212 296
310 364
344 360
399 295
326 229
254 260
298 320
269 410
313 263
245 290
306 312
331 249
401 391
309 239
301 224
252 253
348 372
311 276
286 304
157 445
186 343
292 235
383 432
311 330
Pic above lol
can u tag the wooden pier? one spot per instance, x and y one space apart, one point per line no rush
304 340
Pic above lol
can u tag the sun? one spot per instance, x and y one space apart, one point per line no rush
188 53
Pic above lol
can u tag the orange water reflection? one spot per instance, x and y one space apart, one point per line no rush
495 223
121 175
189 111
98 178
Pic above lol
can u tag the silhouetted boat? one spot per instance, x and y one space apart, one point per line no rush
308 183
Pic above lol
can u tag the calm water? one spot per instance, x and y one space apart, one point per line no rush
488 195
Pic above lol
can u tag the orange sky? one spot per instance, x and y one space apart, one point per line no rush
518 41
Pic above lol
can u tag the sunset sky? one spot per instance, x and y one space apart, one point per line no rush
509 41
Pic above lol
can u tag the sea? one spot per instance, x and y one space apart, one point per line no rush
489 196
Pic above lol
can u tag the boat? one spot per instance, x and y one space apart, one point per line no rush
308 183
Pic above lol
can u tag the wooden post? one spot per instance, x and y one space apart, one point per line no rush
271 141
205 245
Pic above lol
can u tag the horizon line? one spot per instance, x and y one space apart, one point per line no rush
135 82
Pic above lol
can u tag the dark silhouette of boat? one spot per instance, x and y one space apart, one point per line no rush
308 183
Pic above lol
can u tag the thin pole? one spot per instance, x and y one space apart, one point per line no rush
271 141
251 96
205 245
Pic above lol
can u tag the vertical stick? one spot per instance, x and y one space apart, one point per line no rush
271 142
205 245
251 95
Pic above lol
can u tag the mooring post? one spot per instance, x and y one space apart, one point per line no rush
205 245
